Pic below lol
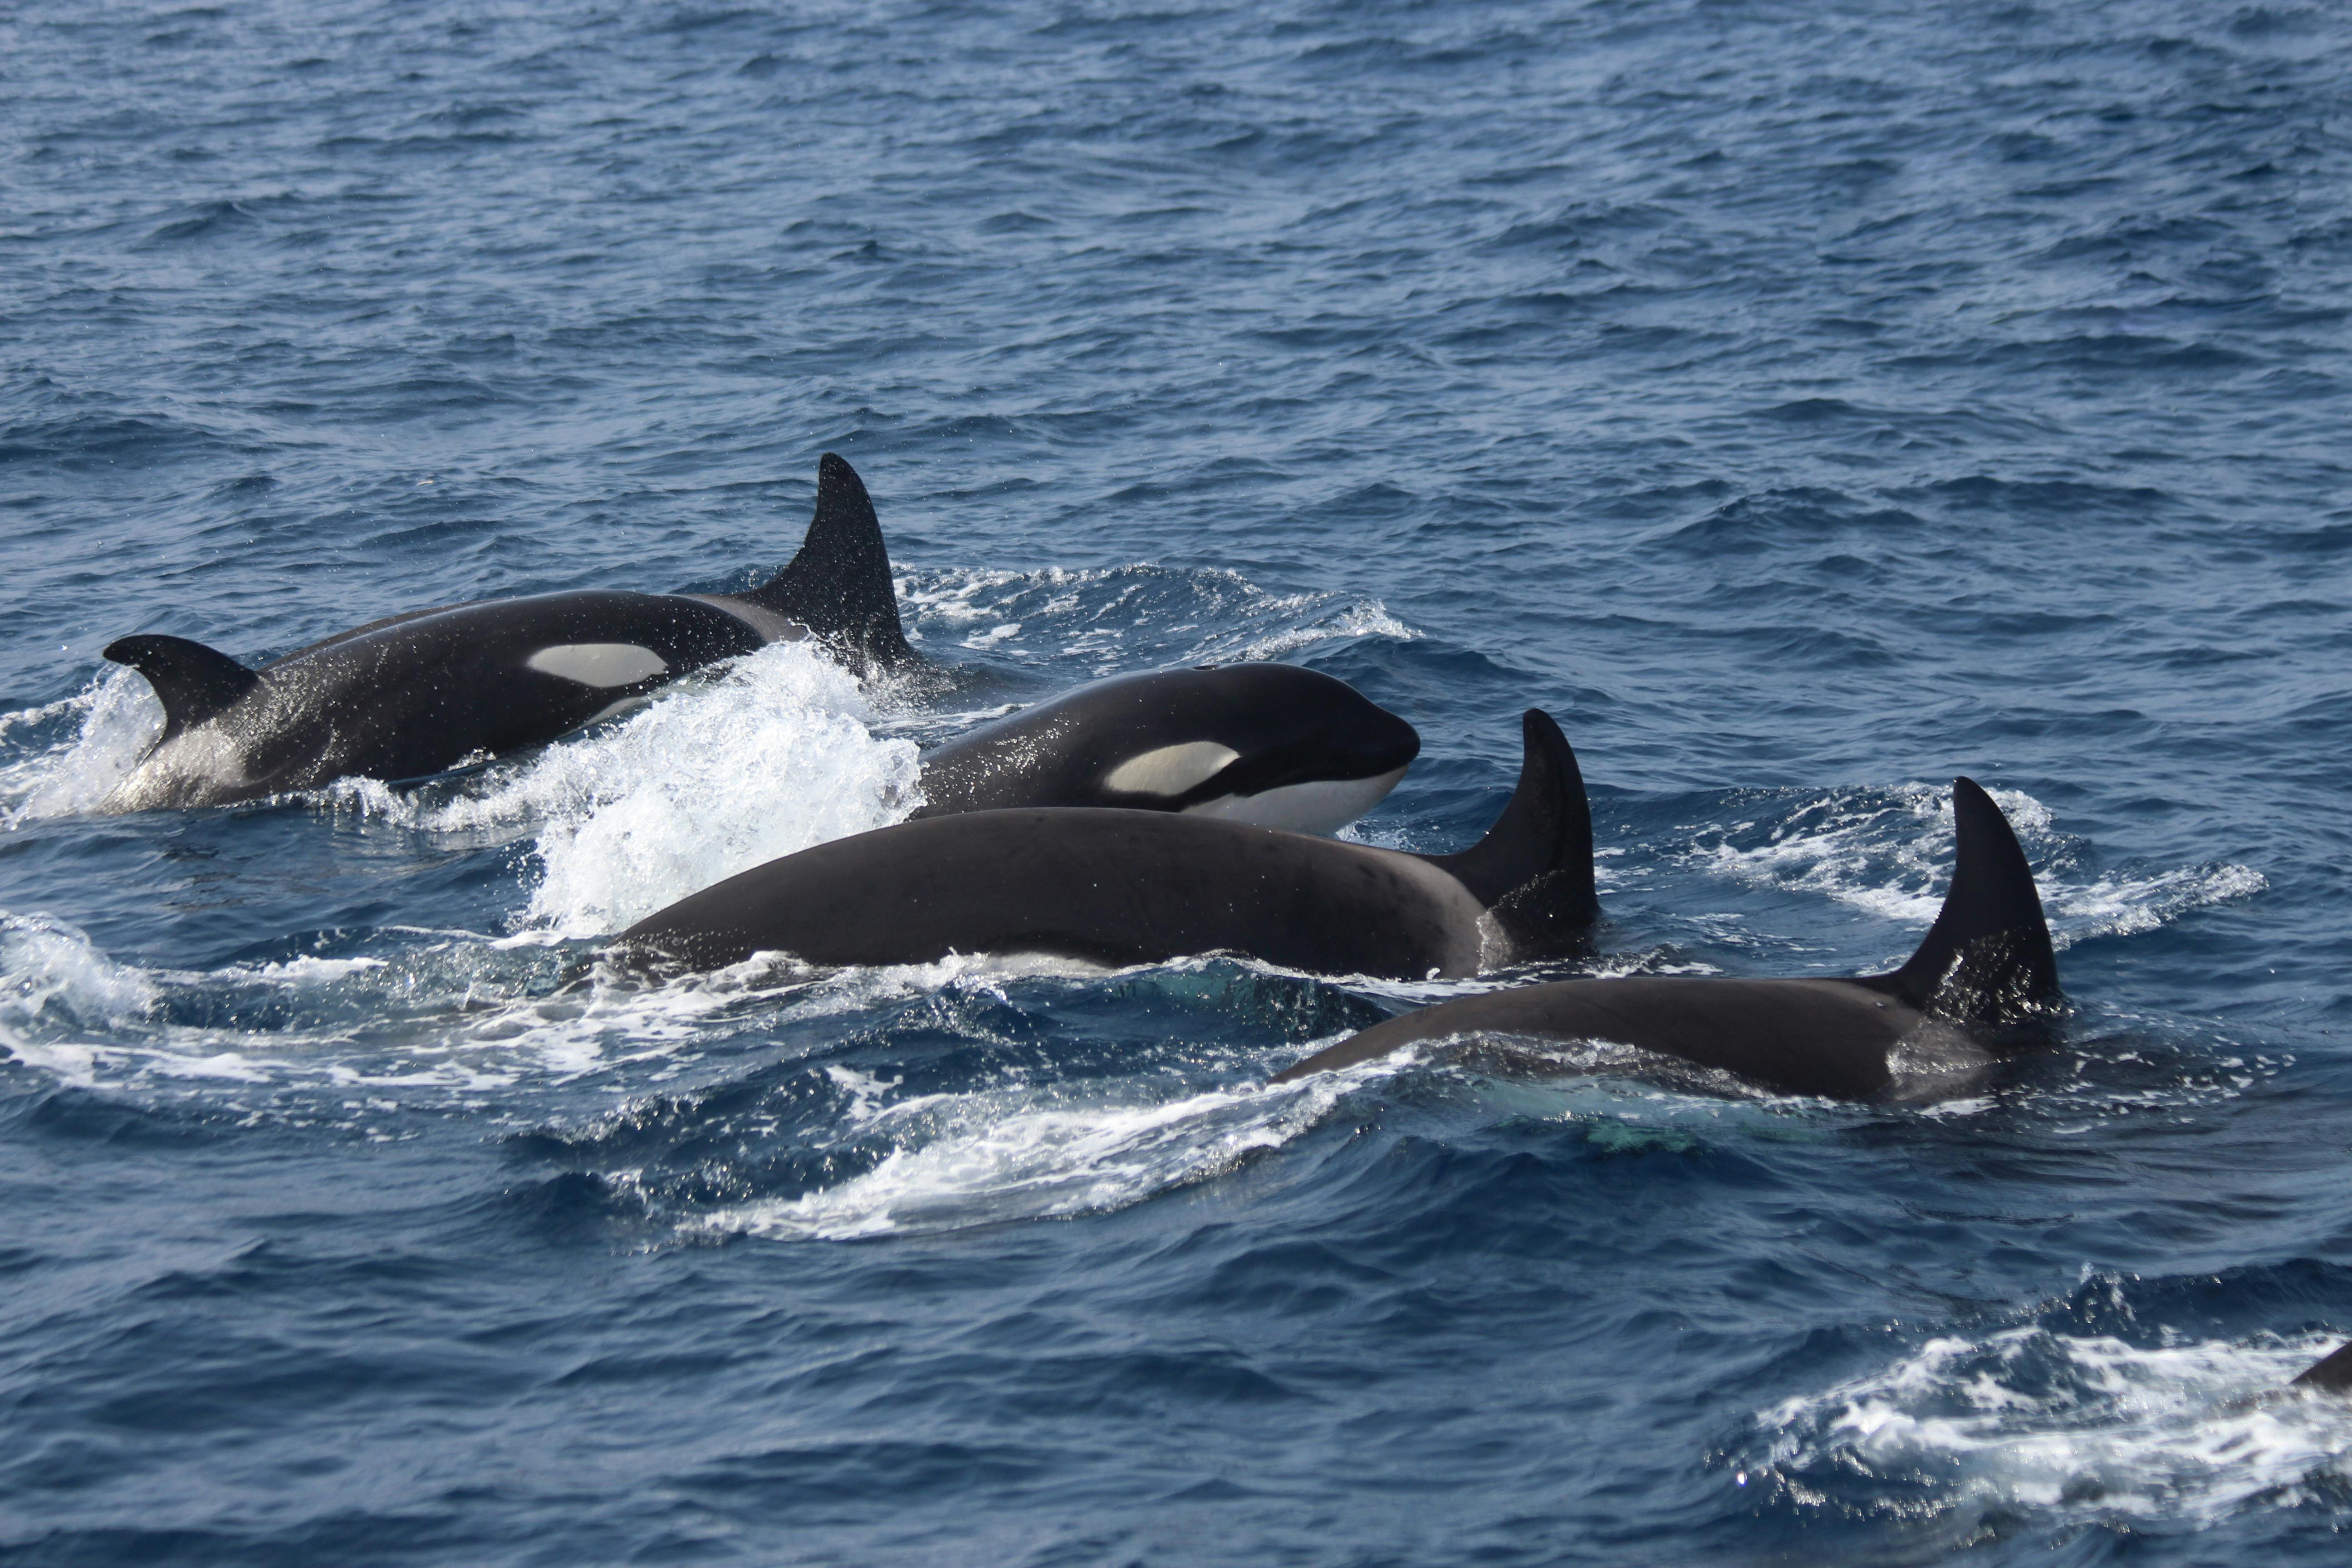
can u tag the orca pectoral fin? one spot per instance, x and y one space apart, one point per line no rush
192 682
839 584
1987 960
1534 868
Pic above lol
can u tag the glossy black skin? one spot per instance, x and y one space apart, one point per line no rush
1131 887
1290 725
1982 984
420 693
1104 885
1830 1037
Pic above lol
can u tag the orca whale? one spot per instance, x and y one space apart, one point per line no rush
1982 985
1119 887
420 693
1272 744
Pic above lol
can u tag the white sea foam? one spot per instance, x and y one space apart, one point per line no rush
1890 852
989 1156
449 1011
113 721
1879 850
2120 906
2090 1427
51 969
766 757
456 1012
67 1008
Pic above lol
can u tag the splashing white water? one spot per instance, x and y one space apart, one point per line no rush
2121 906
986 1157
1890 852
47 967
2090 1427
767 757
67 1008
450 1011
115 719
439 1010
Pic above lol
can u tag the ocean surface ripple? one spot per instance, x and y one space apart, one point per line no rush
1804 403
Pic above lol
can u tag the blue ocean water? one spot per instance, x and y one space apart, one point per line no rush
1804 403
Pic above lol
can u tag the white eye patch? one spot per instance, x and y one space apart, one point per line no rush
599 663
1170 769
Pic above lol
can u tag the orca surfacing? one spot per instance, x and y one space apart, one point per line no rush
1272 744
420 693
1123 887
1982 985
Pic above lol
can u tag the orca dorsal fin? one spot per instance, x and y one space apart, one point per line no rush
839 584
192 682
2332 1374
1987 960
1533 870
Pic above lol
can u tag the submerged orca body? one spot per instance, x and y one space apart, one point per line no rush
1272 744
433 689
1982 985
1123 887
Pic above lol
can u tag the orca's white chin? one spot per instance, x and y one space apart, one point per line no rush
1321 806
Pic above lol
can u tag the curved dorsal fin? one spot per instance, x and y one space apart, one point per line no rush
839 584
1986 959
192 682
1533 870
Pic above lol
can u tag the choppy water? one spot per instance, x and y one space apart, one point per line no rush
1804 403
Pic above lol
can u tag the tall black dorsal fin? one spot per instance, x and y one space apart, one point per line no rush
1534 868
193 681
839 584
1986 959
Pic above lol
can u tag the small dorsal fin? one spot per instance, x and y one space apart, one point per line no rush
1533 870
192 682
2331 1373
1987 960
839 584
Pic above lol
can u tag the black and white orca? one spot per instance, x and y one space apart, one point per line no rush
420 693
1121 887
1272 744
1983 985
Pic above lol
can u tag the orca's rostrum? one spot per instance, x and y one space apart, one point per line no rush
1122 887
420 693
1982 984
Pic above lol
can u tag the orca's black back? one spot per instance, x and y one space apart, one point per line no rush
1109 886
1804 1037
421 694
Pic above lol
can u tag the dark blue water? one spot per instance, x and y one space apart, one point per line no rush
1804 403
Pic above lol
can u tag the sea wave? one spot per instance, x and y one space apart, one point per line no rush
2088 1428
